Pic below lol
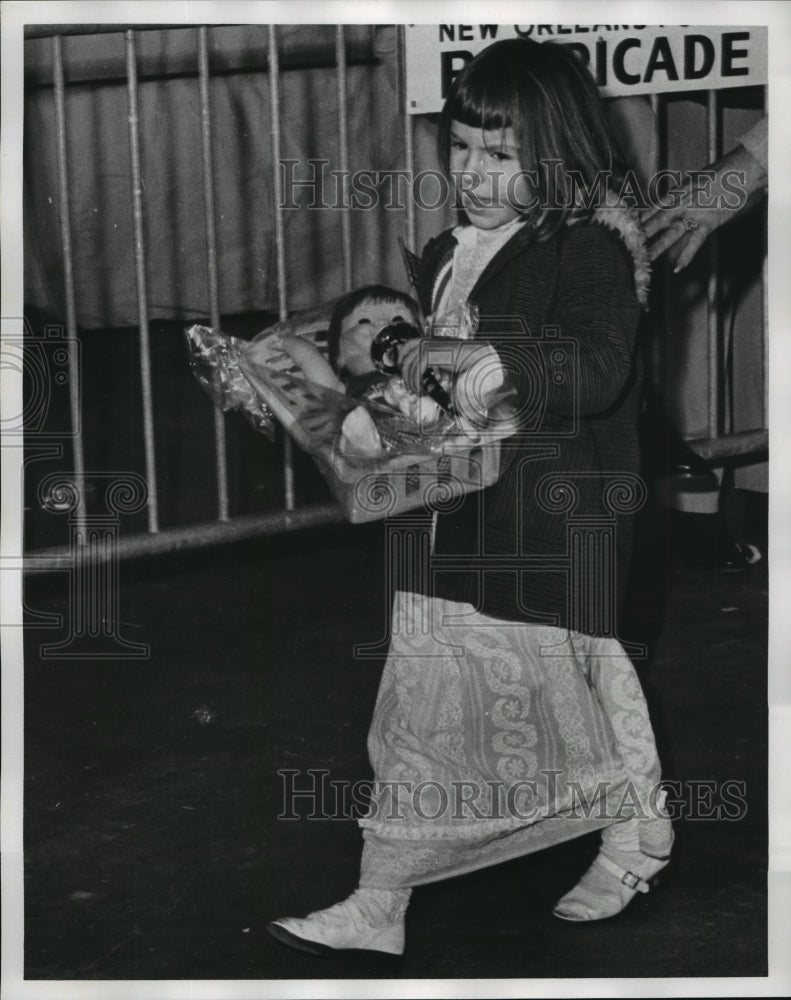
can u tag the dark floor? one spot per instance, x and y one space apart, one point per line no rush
152 839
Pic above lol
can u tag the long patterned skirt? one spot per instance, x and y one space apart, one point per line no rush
492 739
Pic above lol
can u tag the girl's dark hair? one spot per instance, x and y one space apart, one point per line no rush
376 293
543 92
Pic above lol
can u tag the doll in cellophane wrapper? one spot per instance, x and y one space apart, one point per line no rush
382 448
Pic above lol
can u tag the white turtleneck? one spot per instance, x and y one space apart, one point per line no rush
475 248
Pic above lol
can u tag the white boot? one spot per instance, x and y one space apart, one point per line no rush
369 920
620 871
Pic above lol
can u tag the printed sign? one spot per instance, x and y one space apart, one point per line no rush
623 58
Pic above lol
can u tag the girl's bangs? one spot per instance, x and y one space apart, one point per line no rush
487 108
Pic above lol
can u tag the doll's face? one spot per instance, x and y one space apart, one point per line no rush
360 327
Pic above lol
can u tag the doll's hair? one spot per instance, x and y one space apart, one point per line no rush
543 92
368 293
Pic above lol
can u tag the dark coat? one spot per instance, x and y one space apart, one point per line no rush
550 542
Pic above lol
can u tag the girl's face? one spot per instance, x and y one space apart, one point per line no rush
359 328
487 174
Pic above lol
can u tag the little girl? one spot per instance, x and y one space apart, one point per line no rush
516 720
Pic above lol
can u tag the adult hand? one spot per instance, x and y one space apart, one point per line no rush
707 200
693 226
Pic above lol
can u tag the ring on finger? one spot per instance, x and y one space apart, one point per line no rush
689 224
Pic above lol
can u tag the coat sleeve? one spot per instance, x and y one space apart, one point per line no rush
597 309
586 294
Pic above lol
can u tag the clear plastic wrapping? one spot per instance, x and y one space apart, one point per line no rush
215 359
382 452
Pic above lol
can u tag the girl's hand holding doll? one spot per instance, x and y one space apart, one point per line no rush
475 368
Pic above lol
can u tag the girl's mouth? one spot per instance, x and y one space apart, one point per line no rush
473 203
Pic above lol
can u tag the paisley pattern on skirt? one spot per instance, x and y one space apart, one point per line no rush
491 739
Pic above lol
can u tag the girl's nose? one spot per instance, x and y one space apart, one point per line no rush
473 169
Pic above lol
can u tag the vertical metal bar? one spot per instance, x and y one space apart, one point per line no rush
765 342
765 308
68 277
398 69
656 109
211 246
657 347
343 144
409 144
712 290
140 275
280 245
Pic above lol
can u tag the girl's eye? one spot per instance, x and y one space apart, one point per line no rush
457 144
499 155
